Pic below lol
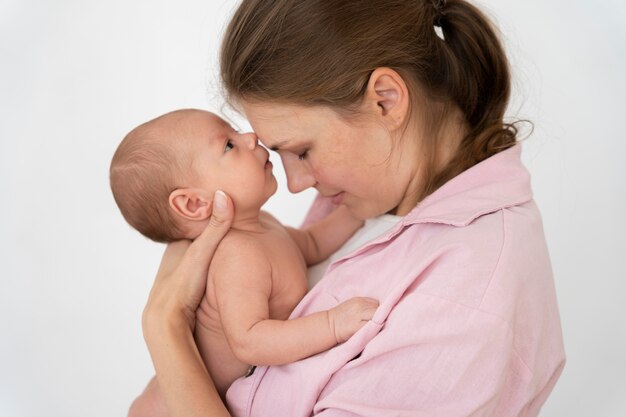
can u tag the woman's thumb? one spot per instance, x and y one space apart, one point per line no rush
202 249
221 211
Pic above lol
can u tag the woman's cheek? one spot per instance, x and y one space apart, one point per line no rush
324 175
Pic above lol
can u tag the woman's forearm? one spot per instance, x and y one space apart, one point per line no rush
186 384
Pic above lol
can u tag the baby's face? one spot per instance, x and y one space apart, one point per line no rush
223 159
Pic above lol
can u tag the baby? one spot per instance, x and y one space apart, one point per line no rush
163 177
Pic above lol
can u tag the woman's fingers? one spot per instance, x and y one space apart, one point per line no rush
198 255
185 254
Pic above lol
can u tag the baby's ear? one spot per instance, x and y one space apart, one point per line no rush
191 203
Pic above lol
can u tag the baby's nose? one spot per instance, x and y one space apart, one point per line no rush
251 140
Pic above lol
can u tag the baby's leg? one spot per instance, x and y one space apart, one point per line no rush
150 403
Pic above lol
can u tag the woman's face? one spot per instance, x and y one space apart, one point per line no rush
358 162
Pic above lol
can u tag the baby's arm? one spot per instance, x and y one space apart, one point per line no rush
243 286
323 238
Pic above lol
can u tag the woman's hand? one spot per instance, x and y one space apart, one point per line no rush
170 315
181 279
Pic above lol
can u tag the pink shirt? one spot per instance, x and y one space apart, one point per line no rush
468 323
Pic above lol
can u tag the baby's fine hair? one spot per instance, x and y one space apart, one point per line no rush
143 173
322 52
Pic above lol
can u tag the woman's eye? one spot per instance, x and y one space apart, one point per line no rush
229 145
302 156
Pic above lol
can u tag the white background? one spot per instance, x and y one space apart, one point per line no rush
75 76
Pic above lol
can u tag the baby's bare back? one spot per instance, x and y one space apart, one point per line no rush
287 281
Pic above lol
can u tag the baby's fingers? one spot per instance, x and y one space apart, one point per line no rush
349 316
368 307
359 308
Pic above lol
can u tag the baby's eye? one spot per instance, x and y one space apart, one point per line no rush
229 145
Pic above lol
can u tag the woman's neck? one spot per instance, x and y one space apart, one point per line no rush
434 155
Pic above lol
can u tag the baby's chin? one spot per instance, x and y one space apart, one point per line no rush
258 203
254 206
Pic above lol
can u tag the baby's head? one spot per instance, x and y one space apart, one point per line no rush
165 172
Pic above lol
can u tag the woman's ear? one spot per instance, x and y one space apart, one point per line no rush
387 94
191 203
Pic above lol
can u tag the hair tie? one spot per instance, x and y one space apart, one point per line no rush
439 6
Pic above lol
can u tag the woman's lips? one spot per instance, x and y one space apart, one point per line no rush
268 164
337 198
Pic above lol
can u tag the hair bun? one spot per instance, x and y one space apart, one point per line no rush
439 6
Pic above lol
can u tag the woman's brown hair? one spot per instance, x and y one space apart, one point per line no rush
322 52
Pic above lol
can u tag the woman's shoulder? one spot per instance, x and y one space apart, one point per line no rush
497 261
502 251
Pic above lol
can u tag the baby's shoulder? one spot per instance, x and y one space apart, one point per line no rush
238 252
241 243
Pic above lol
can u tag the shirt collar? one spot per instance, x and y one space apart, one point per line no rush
497 182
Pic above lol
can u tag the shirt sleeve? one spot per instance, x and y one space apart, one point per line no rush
433 357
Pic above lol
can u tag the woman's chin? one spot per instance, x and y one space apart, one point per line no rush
365 212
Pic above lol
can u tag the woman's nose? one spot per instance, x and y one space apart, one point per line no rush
299 178
251 140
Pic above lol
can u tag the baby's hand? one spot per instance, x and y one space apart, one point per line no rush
349 316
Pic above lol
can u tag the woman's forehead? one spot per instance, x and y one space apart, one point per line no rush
280 125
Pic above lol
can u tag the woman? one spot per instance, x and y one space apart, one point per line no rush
367 103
